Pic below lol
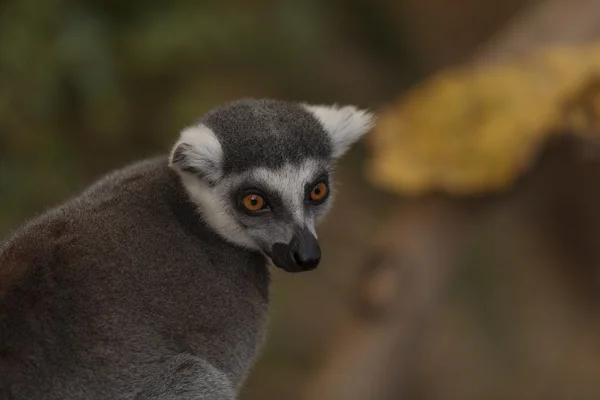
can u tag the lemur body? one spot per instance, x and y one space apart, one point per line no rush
154 283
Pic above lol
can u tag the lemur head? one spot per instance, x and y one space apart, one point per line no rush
259 172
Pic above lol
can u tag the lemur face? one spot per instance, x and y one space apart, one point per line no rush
260 173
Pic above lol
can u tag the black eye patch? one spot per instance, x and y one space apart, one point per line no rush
273 200
308 188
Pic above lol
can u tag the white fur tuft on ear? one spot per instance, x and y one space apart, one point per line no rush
198 152
345 125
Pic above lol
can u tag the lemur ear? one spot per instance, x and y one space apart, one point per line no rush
198 152
345 125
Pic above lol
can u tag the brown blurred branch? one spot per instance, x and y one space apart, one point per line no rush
421 244
397 292
548 22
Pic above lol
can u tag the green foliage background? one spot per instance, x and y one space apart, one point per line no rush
89 85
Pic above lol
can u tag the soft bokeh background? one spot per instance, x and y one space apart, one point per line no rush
88 86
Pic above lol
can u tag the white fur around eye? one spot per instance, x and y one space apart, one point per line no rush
345 125
213 205
290 182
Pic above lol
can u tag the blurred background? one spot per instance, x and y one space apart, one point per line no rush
461 260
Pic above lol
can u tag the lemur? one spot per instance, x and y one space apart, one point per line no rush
154 282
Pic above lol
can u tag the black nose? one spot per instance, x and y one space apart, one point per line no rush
302 253
305 250
307 262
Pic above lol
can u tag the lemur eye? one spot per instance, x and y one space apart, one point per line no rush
253 202
319 191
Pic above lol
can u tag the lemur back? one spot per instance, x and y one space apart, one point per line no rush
135 280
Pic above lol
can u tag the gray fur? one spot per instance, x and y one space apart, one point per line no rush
267 133
132 291
100 294
187 377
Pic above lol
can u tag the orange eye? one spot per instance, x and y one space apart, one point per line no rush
253 202
319 192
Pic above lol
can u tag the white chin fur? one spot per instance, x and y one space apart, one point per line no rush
202 152
214 211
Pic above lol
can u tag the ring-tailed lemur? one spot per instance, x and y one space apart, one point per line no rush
153 284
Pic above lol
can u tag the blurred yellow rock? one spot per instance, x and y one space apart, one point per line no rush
476 129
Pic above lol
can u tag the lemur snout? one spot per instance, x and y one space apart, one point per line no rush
303 253
305 250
